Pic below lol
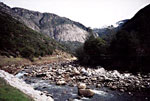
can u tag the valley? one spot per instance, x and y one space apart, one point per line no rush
60 80
47 57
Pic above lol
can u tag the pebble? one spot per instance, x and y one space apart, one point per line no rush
122 90
98 85
129 93
76 72
93 79
82 77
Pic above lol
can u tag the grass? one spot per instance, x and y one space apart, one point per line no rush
14 64
57 55
10 61
9 93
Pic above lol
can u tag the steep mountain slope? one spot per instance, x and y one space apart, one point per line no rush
16 39
140 22
59 28
132 43
8 10
139 28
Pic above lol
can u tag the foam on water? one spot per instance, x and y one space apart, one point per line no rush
102 93
20 74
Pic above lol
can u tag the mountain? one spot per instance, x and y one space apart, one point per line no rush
109 31
16 39
139 27
121 23
106 33
131 45
59 28
140 22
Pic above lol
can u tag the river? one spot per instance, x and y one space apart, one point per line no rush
70 93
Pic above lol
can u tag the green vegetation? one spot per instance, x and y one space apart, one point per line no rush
18 40
11 60
125 51
72 45
8 93
107 33
93 50
128 49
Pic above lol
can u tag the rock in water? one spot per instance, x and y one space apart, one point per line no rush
40 75
93 79
61 82
82 91
86 92
81 86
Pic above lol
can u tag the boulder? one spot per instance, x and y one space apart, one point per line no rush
76 72
81 86
61 82
83 71
86 92
101 71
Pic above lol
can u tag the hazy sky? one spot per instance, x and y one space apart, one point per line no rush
91 13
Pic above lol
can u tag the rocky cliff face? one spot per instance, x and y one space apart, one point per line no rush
59 28
10 11
70 32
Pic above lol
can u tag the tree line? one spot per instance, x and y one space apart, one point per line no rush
125 50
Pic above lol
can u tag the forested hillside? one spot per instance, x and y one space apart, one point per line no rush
16 39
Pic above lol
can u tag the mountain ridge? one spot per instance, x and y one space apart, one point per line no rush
131 45
17 40
58 28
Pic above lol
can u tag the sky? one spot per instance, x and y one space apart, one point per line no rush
91 13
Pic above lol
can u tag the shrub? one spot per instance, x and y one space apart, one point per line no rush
93 50
27 52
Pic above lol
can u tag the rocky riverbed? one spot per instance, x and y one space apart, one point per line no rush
61 81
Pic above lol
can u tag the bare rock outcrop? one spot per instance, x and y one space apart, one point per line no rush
58 28
70 32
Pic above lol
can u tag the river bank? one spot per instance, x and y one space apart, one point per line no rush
23 87
60 80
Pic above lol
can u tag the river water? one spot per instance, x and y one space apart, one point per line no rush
68 93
